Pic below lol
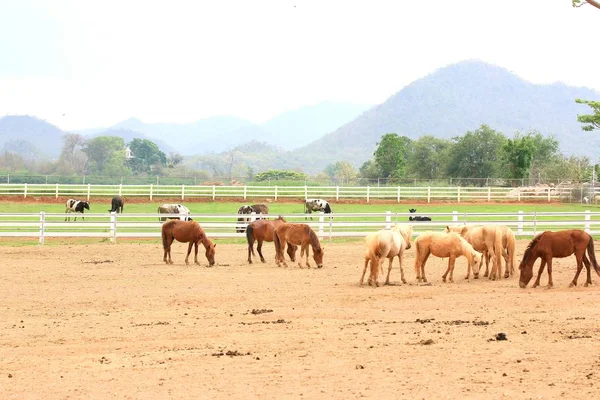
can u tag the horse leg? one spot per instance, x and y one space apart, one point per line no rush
487 263
168 251
509 267
188 253
449 270
196 253
387 278
401 268
291 251
364 272
579 260
550 284
589 271
259 249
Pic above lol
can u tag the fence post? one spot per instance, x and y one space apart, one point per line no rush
388 220
89 191
489 193
337 193
275 193
113 227
519 195
428 194
214 192
57 190
368 189
534 223
398 195
120 188
151 187
587 221
458 193
25 191
520 223
321 224
305 192
42 227
548 194
454 216
245 191
182 192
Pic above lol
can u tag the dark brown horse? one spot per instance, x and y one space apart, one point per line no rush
262 231
186 232
299 235
559 244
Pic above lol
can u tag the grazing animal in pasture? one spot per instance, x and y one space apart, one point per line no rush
174 209
300 235
443 245
385 244
262 230
116 204
316 205
260 208
560 244
186 232
484 238
76 206
417 217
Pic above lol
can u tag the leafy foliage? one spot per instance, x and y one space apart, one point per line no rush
429 157
106 155
147 157
391 155
274 174
590 121
477 154
518 156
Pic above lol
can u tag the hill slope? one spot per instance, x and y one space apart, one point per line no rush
39 136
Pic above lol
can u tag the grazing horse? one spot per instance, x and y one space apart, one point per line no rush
316 205
443 245
262 230
417 217
558 244
298 235
76 206
385 244
260 208
174 209
116 205
486 239
186 232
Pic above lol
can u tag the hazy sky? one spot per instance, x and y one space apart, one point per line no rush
99 62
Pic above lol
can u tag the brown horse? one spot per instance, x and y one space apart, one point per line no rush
262 231
186 232
299 235
559 244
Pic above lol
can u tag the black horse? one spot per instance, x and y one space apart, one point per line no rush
417 217
116 205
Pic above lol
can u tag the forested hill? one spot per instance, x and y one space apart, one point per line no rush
458 98
40 136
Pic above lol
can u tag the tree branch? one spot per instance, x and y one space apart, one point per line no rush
579 3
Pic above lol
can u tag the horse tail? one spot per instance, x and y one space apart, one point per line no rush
164 238
277 245
250 239
592 255
510 248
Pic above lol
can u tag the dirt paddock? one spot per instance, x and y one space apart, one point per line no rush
113 321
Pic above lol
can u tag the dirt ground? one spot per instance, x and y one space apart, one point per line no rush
113 321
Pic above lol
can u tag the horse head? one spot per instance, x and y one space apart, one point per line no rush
86 205
477 260
526 266
318 256
210 252
412 210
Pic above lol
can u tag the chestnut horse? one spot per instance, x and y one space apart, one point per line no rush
443 245
186 232
262 231
385 244
299 235
559 244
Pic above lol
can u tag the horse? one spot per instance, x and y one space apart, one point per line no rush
76 206
299 235
116 204
260 208
317 205
560 244
186 232
386 244
417 217
262 230
174 209
486 239
444 245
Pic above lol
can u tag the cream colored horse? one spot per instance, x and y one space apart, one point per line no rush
486 239
386 244
443 245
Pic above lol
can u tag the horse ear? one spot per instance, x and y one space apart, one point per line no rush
464 230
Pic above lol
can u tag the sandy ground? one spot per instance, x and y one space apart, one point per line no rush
112 321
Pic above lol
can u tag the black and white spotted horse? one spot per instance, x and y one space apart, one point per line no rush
76 206
417 217
316 205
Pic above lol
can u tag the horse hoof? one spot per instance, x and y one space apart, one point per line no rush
403 280
549 286
587 284
573 284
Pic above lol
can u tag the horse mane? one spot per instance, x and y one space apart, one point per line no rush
314 240
530 247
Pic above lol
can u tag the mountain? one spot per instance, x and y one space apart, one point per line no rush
31 135
456 99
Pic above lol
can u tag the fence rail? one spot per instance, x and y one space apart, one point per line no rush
114 226
367 193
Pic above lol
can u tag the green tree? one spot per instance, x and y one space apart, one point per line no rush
518 156
106 155
391 155
147 157
572 168
369 171
579 3
276 174
429 157
477 154
72 158
590 121
341 170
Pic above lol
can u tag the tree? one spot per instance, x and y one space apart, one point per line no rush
579 3
477 154
518 156
147 157
174 159
106 155
429 157
391 154
341 170
369 170
590 121
72 158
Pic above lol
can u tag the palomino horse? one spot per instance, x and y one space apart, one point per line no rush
186 232
559 244
485 238
386 244
443 245
262 231
299 235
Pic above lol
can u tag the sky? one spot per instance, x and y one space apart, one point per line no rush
90 64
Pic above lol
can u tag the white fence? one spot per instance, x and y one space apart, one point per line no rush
394 193
114 226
